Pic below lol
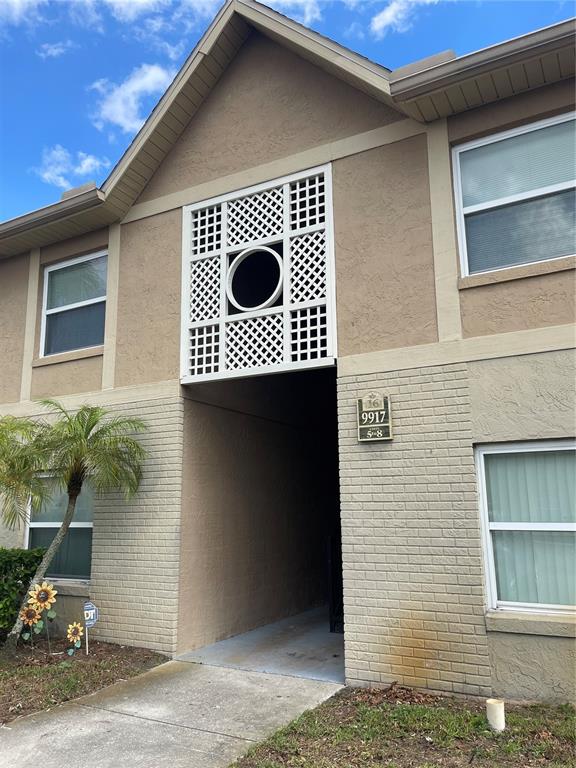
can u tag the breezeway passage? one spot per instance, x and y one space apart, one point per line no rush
179 714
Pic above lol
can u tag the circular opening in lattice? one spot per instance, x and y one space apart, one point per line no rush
254 279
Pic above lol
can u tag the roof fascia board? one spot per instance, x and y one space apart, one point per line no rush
505 54
50 213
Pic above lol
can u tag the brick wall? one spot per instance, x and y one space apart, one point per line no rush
135 557
412 555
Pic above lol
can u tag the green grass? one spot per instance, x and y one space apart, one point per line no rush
369 729
36 680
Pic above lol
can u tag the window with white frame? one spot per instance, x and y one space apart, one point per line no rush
74 304
528 511
74 556
515 196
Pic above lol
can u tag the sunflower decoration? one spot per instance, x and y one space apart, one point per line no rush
30 615
43 596
74 632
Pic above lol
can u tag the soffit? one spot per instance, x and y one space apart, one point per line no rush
531 61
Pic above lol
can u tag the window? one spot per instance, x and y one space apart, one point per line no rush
528 510
74 304
73 559
515 196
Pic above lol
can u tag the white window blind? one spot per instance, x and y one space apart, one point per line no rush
528 496
74 304
515 196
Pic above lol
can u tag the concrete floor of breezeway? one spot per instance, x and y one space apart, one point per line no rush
182 713
299 646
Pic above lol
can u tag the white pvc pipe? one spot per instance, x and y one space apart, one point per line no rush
495 714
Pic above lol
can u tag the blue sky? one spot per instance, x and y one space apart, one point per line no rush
78 77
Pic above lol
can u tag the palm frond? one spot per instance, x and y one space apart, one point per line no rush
72 447
21 461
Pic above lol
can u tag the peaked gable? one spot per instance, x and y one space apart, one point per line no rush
269 103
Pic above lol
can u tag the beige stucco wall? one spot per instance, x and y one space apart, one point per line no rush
66 378
251 545
268 104
383 248
517 305
530 397
13 293
533 667
148 329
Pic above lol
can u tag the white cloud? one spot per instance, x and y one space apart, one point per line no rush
355 31
121 104
130 10
396 16
62 169
21 11
173 52
85 14
304 11
54 50
153 31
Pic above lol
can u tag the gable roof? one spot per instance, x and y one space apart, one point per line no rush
87 210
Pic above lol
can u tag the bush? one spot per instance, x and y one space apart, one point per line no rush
17 567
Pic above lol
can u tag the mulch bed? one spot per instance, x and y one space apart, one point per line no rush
34 679
402 728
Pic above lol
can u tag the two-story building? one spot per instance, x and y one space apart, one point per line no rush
342 298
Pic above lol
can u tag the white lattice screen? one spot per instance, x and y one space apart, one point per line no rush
258 280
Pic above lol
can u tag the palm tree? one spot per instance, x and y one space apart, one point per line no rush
72 448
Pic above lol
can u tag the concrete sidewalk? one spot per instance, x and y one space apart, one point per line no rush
178 714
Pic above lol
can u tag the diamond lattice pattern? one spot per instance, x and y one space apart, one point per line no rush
308 267
255 217
255 342
205 289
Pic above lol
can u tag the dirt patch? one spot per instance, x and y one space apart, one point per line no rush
36 679
402 728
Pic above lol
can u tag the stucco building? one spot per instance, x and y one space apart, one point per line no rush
299 247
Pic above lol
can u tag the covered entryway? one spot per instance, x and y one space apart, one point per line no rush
260 539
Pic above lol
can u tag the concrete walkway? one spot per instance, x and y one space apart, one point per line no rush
300 646
178 714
